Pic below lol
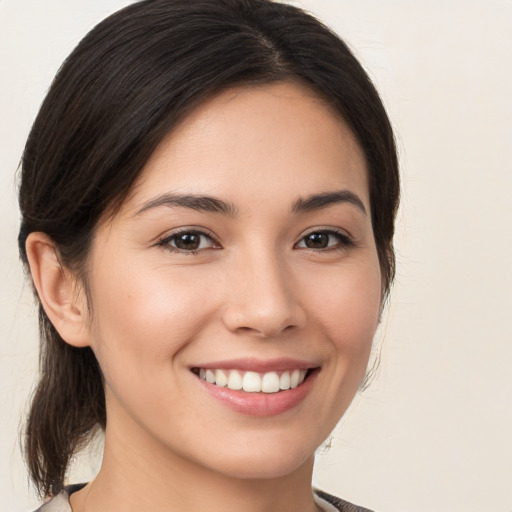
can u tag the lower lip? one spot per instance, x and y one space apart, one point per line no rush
261 404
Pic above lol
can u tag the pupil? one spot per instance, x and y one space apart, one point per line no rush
317 240
188 241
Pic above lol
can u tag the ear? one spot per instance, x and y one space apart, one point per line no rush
60 293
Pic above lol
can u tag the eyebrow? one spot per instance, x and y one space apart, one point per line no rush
212 204
325 199
195 202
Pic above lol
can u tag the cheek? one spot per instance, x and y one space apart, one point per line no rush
142 319
347 306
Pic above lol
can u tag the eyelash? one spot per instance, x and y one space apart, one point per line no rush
166 241
344 241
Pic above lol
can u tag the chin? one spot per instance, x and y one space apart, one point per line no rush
263 462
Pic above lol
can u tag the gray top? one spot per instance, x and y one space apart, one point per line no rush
326 502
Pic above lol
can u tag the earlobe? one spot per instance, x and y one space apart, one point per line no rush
62 301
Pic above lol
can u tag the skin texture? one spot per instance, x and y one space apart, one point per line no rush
252 290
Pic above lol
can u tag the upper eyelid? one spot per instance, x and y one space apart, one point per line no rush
337 231
164 239
188 229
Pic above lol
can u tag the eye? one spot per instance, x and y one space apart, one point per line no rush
325 239
188 241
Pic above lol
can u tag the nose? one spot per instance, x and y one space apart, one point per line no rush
262 298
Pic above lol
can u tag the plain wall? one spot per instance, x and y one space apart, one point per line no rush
433 433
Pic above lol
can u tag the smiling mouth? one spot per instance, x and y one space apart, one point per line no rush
253 382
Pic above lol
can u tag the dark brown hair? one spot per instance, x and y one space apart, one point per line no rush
117 95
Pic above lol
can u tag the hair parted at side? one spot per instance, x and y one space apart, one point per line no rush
123 88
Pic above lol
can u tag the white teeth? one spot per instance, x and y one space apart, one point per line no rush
284 381
254 382
235 380
221 379
270 383
294 378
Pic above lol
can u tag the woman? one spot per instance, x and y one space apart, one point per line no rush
208 198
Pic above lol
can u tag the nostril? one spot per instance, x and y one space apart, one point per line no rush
266 331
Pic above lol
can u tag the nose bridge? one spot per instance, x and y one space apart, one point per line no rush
263 300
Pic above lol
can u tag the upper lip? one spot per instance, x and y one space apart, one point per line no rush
258 365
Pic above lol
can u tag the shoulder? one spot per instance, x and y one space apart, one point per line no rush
60 503
337 504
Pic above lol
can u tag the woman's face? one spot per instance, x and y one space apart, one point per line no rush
244 256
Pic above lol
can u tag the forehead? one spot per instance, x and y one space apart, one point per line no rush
260 141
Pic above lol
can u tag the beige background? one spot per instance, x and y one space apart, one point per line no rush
434 431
